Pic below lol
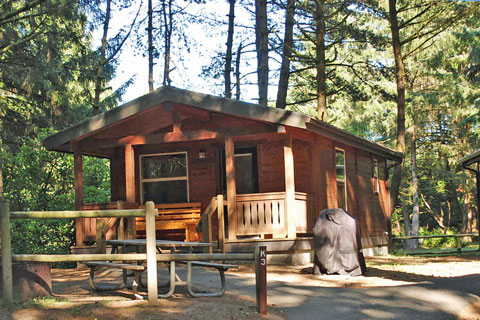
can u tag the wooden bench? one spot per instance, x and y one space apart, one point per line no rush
175 216
137 272
221 267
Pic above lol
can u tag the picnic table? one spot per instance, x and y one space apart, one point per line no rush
163 247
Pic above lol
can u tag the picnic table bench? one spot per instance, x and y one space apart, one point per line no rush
135 268
221 267
171 247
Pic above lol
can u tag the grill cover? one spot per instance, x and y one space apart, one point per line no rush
337 244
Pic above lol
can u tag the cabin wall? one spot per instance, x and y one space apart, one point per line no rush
303 165
327 181
315 174
353 194
369 207
372 206
271 172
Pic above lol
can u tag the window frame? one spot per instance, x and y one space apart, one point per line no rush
344 180
375 176
182 178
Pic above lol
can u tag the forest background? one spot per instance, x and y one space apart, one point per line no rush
405 74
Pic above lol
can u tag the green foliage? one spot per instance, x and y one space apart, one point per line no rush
449 242
37 179
443 100
46 75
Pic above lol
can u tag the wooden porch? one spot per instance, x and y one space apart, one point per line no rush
256 216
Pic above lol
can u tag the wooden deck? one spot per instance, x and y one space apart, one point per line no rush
258 215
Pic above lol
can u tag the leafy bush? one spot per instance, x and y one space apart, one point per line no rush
449 242
37 179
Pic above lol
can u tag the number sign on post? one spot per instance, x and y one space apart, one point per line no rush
261 278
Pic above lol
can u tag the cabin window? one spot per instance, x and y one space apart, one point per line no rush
341 178
376 188
164 178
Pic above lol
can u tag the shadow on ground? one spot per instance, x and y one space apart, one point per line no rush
449 291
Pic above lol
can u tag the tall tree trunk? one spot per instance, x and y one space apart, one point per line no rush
320 32
168 24
468 212
286 56
400 82
261 30
1 170
237 71
452 193
100 77
406 220
150 46
228 57
413 244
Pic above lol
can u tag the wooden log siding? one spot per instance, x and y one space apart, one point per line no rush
371 206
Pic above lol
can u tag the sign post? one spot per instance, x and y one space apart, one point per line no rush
261 278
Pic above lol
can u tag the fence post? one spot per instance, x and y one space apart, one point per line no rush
6 252
459 244
261 278
100 236
151 252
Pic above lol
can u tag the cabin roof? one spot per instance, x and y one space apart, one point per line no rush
470 159
61 141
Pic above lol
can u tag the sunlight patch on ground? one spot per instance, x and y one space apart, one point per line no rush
377 314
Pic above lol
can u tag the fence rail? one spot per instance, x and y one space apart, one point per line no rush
164 257
456 236
78 214
151 257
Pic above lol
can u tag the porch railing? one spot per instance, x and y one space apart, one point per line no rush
306 215
265 213
261 213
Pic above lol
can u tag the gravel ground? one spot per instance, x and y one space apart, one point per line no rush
73 298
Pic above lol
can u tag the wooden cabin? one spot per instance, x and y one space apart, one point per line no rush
268 172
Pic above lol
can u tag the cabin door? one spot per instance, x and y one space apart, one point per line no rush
246 174
246 171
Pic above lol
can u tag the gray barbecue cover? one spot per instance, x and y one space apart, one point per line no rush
337 244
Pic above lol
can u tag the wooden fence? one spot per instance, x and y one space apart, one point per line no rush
457 237
151 256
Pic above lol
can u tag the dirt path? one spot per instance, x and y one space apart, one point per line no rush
74 300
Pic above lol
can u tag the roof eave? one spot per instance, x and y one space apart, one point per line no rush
350 139
171 94
470 159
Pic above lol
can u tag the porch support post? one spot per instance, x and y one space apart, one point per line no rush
315 156
231 187
130 187
290 205
221 224
78 185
